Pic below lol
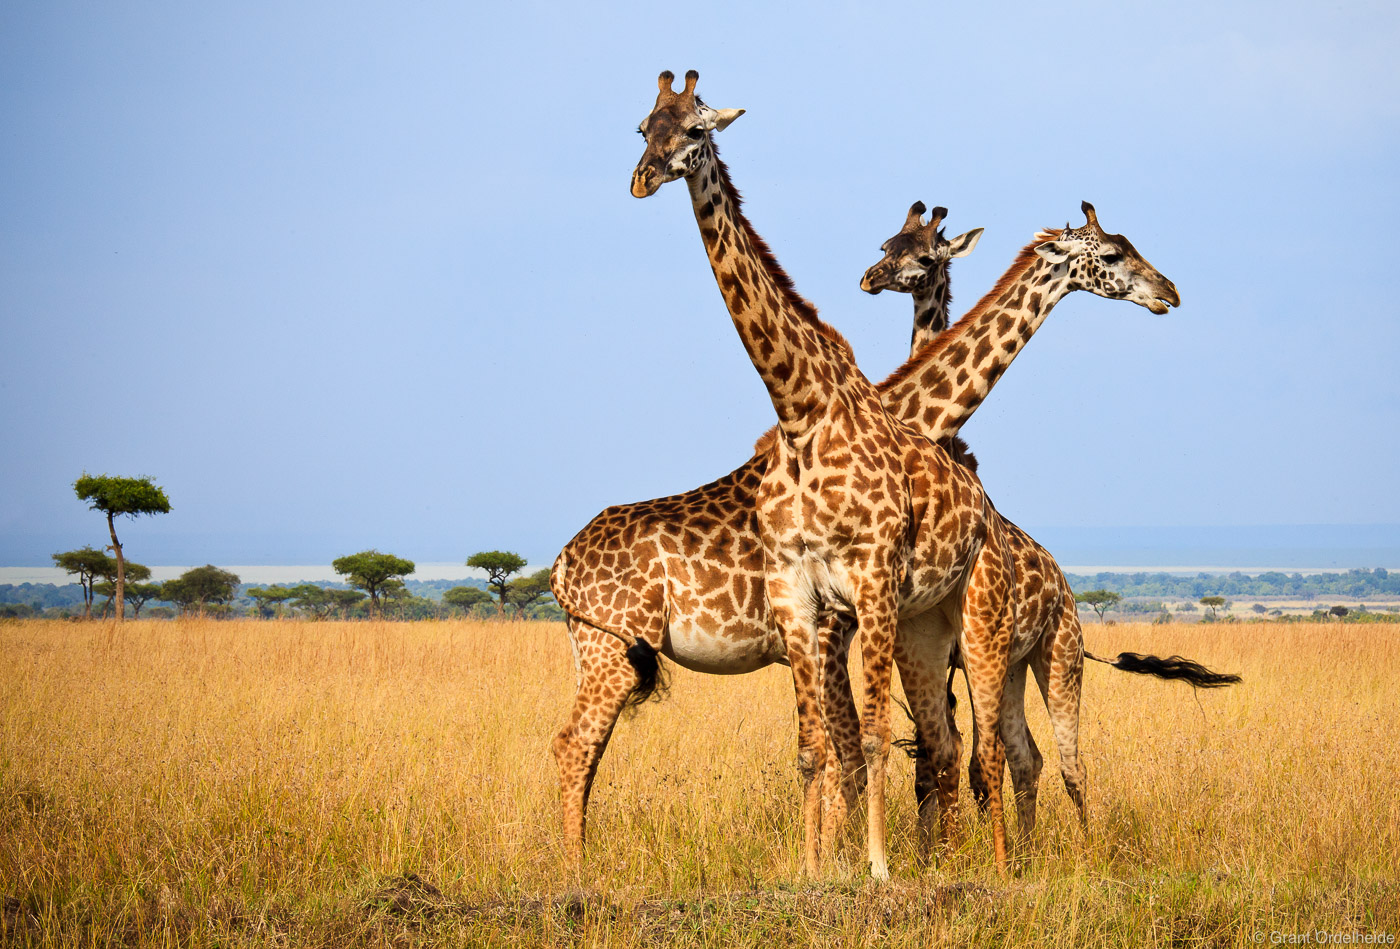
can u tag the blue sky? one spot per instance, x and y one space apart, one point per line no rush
348 275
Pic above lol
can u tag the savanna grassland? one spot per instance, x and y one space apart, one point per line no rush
329 784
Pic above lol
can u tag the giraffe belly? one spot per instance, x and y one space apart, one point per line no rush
700 647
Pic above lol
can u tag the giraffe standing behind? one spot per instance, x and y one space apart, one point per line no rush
1049 639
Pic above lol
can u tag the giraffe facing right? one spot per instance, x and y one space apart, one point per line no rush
1051 642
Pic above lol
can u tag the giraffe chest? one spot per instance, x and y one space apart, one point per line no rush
834 511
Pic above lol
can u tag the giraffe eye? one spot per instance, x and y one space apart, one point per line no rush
1110 258
695 134
925 261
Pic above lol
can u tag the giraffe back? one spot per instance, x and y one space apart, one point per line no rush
681 573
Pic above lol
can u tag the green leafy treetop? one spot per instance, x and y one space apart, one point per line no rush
200 586
87 563
1212 603
498 564
1100 601
375 573
270 599
525 592
139 594
466 598
115 496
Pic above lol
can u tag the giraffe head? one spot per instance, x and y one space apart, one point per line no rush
916 259
1108 265
677 133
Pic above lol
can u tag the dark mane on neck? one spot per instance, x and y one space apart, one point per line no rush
1023 262
794 300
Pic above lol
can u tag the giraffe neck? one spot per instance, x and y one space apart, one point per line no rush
946 379
803 362
930 314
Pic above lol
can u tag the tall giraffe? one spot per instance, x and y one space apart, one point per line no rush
857 513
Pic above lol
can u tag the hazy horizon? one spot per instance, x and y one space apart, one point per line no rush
1256 548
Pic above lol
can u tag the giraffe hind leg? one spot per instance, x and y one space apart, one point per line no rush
1022 755
606 680
922 653
1059 670
987 627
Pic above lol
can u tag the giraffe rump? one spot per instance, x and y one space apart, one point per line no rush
1172 667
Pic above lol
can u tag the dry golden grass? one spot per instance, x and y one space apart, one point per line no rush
287 783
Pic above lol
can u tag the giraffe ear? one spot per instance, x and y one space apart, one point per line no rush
725 116
962 245
1057 252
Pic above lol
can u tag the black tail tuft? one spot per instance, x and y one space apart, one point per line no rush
652 679
1172 667
913 747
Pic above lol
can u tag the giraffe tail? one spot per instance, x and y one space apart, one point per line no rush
652 678
1172 667
913 747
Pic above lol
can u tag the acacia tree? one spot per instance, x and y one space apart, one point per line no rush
499 565
136 574
1212 603
200 586
525 592
375 573
114 497
270 599
87 563
1100 601
466 598
139 594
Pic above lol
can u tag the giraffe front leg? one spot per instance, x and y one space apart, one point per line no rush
800 637
877 618
606 679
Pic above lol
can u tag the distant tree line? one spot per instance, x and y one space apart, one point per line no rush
1354 583
376 586
375 583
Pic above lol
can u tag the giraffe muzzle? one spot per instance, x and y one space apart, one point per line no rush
873 281
645 181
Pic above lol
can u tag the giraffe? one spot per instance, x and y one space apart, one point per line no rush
972 355
1051 641
857 512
